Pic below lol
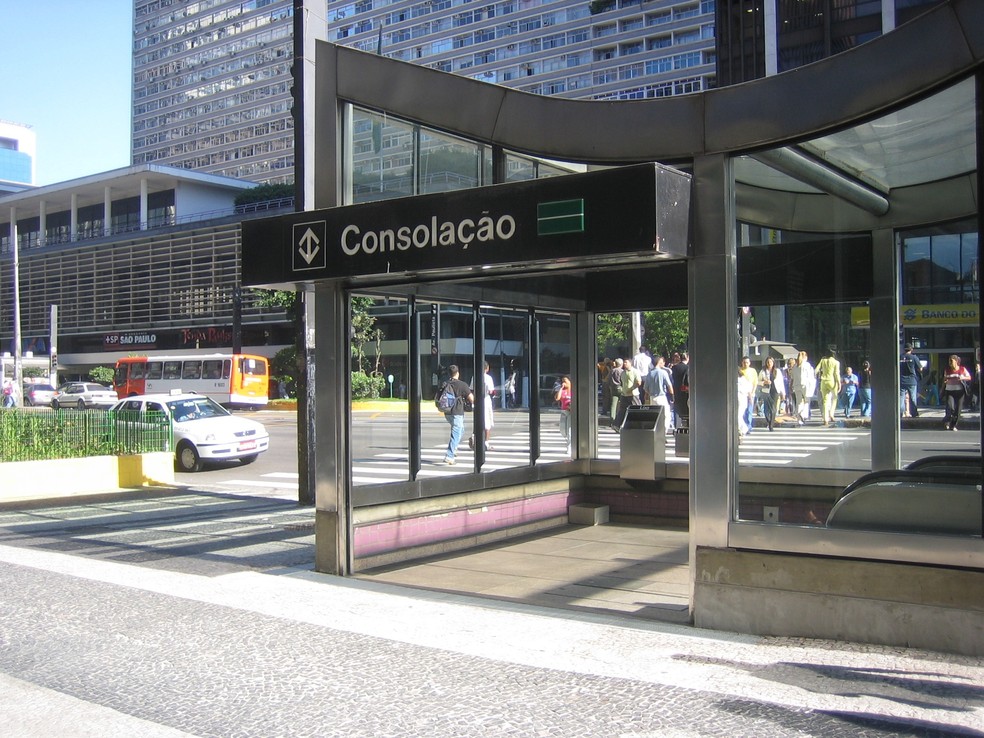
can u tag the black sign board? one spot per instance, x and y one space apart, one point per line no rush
575 219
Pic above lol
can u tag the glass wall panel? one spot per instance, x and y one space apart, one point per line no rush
447 338
379 390
555 387
661 362
382 157
448 163
939 317
806 381
813 467
507 407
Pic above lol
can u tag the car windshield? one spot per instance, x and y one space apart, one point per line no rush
195 408
93 388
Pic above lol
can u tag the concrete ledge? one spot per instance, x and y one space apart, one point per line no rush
28 480
930 607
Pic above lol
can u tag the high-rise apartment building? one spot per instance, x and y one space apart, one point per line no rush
212 82
211 87
211 79
598 50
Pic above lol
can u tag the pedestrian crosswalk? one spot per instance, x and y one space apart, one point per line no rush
785 446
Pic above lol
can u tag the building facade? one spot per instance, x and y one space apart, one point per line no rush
599 50
757 38
142 259
212 87
18 152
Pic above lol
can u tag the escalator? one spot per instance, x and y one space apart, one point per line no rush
935 495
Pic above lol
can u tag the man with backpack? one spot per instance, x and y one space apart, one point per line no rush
451 398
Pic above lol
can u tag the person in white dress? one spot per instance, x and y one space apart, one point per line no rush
489 394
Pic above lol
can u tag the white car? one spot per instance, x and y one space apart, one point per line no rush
203 429
82 395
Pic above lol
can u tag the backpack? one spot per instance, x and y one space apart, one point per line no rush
445 399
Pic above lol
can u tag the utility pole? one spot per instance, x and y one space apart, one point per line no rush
18 393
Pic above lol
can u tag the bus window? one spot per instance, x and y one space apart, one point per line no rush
252 366
137 370
119 376
172 370
226 369
212 369
154 369
192 370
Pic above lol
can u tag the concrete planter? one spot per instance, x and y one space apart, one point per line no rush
64 477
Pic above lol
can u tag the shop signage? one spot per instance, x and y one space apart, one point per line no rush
641 211
964 314
113 341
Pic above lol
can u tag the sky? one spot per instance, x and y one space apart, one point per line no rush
65 71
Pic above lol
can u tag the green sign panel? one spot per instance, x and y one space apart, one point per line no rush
563 216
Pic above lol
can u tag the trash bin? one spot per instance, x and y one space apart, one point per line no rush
642 443
681 442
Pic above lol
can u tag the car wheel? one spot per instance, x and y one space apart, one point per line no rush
27 401
81 404
187 458
54 404
249 459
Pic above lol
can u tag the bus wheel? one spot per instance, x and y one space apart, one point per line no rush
249 459
188 458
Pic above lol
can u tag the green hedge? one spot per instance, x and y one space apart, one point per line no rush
366 387
42 433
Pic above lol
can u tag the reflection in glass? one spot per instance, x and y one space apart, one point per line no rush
448 163
506 344
379 438
556 350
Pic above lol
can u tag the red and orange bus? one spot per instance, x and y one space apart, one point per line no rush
229 379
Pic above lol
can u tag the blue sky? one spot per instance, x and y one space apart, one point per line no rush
65 71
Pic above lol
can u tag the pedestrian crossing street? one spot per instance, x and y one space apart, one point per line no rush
785 446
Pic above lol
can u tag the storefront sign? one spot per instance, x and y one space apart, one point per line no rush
961 315
116 341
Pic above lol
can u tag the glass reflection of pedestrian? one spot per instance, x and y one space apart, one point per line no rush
511 388
849 390
864 389
910 372
932 397
488 394
956 389
456 418
563 399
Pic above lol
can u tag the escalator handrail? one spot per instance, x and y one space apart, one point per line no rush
957 476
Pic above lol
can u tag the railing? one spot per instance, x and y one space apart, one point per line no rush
30 241
41 434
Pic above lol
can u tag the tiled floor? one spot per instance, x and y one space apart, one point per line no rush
630 569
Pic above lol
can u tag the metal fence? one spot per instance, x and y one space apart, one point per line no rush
42 433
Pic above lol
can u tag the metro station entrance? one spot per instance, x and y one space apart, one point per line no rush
443 216
503 284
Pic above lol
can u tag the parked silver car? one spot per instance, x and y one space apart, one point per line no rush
82 395
38 394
